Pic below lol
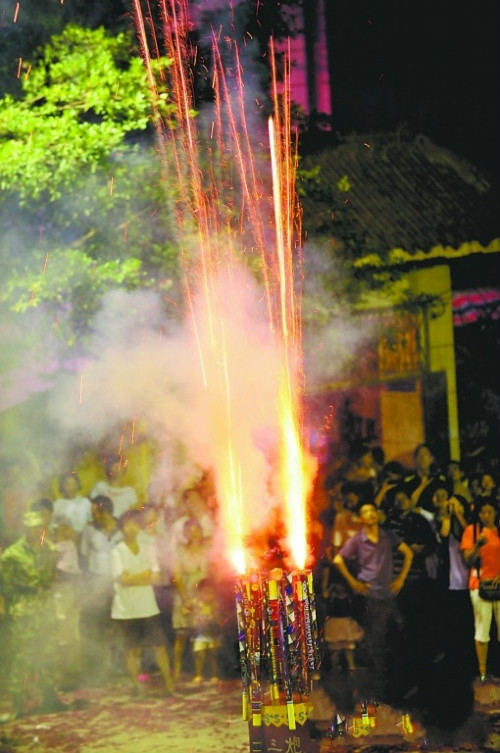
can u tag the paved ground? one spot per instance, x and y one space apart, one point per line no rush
109 720
208 720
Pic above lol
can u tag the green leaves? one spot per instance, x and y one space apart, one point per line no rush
81 99
83 205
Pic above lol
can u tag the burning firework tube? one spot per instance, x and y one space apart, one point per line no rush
243 650
306 637
314 619
253 603
278 648
273 627
294 653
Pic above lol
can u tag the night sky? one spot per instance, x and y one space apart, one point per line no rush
432 65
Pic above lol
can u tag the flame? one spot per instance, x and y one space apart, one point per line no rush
261 230
293 485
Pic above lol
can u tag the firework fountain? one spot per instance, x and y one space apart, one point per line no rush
237 210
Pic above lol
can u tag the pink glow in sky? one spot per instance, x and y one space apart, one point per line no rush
318 66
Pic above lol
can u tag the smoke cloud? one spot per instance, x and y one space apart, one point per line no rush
174 380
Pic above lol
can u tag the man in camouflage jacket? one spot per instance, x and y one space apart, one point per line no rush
27 571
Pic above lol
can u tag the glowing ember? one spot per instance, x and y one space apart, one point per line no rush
236 209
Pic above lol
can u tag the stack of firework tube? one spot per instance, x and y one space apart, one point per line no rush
278 645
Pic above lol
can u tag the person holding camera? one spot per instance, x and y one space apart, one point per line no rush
481 552
449 522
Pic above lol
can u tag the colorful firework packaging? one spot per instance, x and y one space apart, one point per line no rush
279 656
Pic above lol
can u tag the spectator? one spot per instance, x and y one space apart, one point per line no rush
488 486
450 522
27 571
134 608
347 521
191 567
334 505
481 547
422 483
416 531
475 486
206 631
362 471
206 489
123 497
193 507
96 627
152 525
67 601
389 478
370 551
416 600
342 632
153 534
452 604
70 505
459 484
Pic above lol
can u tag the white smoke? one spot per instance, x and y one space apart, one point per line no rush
189 387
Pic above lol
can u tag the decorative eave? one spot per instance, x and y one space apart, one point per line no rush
398 256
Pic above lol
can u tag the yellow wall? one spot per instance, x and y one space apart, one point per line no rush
438 339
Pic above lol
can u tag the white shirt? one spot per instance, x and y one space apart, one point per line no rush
95 547
123 497
77 510
132 602
67 557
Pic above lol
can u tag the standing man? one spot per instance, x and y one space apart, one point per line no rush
27 571
370 554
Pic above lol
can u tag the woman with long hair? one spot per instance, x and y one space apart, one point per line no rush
481 551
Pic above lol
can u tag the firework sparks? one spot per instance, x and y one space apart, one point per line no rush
236 208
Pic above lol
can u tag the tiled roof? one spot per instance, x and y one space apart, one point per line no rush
408 194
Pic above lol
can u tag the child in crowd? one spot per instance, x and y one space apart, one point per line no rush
206 623
342 632
191 567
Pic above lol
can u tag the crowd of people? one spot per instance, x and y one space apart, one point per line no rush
102 585
405 552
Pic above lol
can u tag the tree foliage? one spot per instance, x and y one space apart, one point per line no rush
83 203
80 100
